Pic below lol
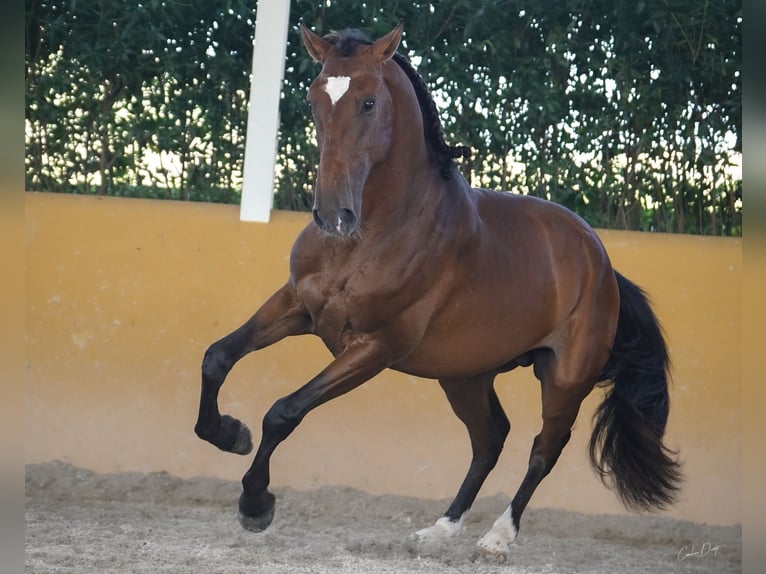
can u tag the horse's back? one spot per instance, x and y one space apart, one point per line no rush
536 247
525 219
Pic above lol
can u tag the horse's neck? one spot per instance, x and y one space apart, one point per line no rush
396 190
400 192
408 180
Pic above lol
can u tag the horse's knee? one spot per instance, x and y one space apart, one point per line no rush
281 420
214 363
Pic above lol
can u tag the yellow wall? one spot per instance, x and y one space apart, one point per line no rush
124 296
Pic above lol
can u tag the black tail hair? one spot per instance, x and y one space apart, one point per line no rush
626 446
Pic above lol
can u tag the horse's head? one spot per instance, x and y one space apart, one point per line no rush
353 114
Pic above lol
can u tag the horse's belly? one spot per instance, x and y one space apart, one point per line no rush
469 350
450 365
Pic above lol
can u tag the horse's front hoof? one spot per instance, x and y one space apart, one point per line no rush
243 444
256 517
257 523
233 436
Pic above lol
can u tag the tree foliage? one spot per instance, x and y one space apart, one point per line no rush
627 112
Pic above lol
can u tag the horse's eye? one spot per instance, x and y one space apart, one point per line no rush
368 104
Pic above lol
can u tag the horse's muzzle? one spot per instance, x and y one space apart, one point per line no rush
341 222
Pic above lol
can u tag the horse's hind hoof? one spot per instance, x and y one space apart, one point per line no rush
257 521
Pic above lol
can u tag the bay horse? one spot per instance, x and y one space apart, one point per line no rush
406 267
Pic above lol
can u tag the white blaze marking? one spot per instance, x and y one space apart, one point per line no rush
336 86
500 536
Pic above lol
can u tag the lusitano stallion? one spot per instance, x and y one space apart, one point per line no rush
406 267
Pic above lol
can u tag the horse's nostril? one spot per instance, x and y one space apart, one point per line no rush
342 221
347 216
317 219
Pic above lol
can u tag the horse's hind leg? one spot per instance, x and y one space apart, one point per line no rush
476 404
563 389
282 315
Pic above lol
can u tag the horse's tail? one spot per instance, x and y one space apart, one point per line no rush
626 445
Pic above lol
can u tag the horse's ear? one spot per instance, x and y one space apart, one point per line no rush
384 48
316 46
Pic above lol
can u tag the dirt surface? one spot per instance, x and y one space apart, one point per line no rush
80 521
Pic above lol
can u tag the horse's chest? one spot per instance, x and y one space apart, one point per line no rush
341 303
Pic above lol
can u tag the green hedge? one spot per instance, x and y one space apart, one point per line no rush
627 112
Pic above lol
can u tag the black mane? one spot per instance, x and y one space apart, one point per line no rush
346 42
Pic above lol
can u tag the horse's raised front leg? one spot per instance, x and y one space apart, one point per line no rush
476 404
281 316
355 365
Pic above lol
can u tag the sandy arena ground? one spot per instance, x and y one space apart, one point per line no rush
78 521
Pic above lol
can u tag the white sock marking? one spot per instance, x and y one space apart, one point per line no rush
500 536
336 86
443 529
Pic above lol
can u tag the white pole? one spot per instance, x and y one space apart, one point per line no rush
269 46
